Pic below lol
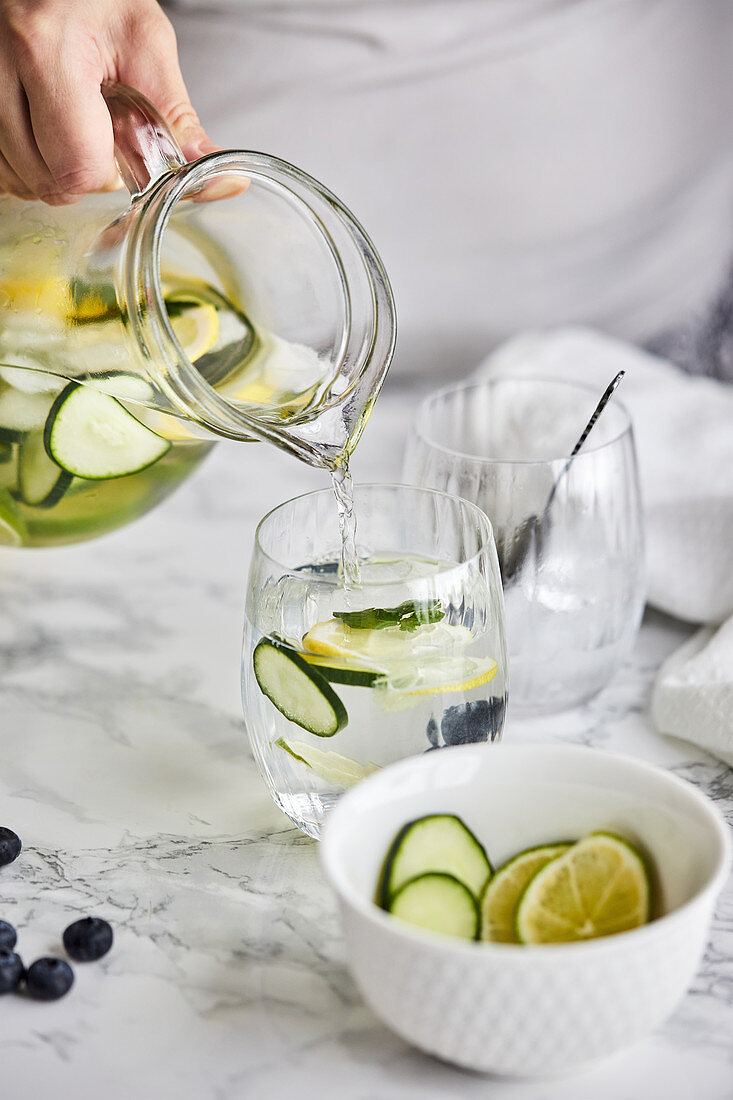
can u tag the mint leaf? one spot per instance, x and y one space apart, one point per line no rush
407 616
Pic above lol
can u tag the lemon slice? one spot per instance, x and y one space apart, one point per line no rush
404 687
256 392
600 886
196 329
42 296
428 660
12 528
382 650
503 891
340 770
460 674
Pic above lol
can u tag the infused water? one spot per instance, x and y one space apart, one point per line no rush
340 679
74 465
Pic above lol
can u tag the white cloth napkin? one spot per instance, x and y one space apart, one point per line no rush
693 696
683 426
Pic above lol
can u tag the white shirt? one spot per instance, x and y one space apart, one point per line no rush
518 163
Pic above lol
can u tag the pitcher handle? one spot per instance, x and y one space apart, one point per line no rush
145 148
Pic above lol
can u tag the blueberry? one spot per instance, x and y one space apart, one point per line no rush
470 722
8 936
9 845
11 971
497 708
48 979
88 939
432 732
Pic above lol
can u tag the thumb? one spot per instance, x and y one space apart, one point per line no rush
187 129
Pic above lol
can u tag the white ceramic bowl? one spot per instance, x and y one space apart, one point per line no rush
510 1008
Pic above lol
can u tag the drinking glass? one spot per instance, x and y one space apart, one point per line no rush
573 584
339 680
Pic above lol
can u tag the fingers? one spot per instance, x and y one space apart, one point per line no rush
72 132
56 140
55 131
152 68
18 144
10 183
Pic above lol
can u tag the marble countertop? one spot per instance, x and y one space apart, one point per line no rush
126 771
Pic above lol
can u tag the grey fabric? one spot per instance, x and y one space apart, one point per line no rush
518 163
704 344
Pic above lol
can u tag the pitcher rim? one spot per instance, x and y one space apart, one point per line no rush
189 387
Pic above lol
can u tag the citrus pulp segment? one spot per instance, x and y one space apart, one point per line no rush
503 891
600 886
196 329
329 765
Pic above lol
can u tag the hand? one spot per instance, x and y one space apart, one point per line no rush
55 129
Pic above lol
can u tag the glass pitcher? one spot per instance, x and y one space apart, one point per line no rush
134 335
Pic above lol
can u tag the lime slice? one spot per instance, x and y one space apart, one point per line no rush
340 770
12 528
503 891
382 650
196 329
600 886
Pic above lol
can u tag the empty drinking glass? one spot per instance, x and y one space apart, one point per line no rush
573 572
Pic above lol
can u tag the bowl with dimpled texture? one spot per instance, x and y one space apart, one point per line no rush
528 1010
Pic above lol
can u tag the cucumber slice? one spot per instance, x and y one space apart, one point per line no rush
298 691
437 842
123 386
41 481
439 903
338 672
93 436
